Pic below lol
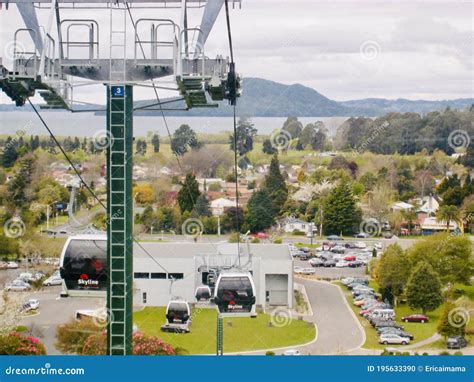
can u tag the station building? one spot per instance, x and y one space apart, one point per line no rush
165 270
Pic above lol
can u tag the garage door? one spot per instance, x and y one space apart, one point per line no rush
276 288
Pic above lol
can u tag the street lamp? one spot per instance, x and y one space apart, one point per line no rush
47 214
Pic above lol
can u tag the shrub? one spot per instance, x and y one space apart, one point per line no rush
278 240
142 344
444 352
255 240
20 344
297 232
270 353
71 336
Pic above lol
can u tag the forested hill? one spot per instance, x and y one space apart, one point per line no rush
264 98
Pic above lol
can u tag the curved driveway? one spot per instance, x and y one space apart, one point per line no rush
339 331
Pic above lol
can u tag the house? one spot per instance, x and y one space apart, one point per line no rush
290 224
430 225
401 206
219 206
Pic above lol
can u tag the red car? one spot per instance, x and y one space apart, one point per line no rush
350 258
416 318
261 235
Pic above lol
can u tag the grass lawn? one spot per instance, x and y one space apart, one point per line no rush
244 334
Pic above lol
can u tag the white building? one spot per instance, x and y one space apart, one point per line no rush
189 265
290 224
218 206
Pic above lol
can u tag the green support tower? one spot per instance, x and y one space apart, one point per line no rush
120 219
220 336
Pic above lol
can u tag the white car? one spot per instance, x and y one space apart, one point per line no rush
12 265
360 245
292 352
33 303
308 271
393 339
17 286
378 245
342 264
54 279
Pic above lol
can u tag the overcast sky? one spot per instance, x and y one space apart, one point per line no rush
345 50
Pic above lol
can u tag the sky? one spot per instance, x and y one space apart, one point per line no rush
343 49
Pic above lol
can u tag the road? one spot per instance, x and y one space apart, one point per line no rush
338 330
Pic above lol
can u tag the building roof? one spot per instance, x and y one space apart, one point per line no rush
222 202
402 206
190 250
430 223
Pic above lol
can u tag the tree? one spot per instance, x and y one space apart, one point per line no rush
203 207
10 154
155 142
189 193
233 219
268 147
260 211
17 187
448 214
245 133
71 336
341 214
275 184
314 136
144 194
184 138
448 254
293 127
19 344
424 288
393 270
447 325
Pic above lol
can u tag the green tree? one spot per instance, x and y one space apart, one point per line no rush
293 127
424 288
448 214
10 154
275 184
341 214
260 211
232 219
155 142
203 207
245 133
184 138
393 270
268 147
446 326
17 187
188 194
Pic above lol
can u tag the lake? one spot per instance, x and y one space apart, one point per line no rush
87 124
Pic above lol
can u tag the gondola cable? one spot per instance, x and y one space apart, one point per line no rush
89 189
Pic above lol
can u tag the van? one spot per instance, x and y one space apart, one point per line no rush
383 313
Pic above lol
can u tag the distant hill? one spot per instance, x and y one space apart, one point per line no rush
264 98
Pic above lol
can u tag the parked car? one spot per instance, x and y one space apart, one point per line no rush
363 301
341 264
386 324
349 258
388 330
360 245
393 339
338 249
308 271
335 238
305 249
350 245
18 286
3 265
416 318
291 352
355 264
31 304
361 235
54 279
12 265
329 263
456 342
316 262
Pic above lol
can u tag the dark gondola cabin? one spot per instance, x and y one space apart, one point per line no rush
203 293
178 312
83 265
235 293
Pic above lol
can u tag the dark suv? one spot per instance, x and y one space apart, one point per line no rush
456 342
